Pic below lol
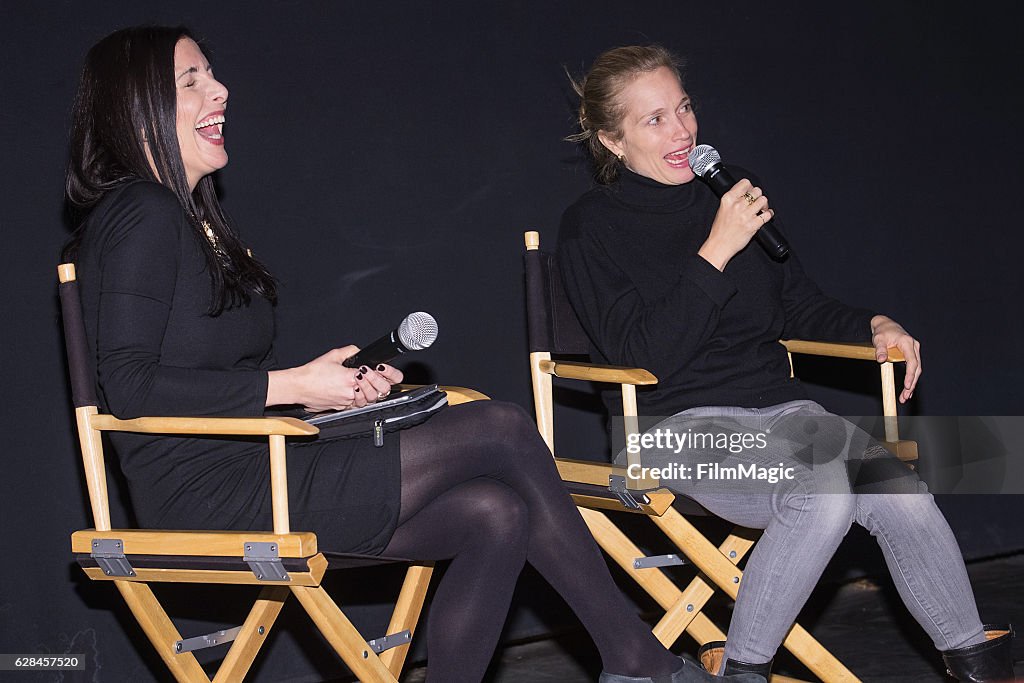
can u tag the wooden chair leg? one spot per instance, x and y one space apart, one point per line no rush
253 634
666 593
726 576
342 635
618 546
160 631
407 613
700 551
703 630
816 657
678 617
184 666
332 622
799 642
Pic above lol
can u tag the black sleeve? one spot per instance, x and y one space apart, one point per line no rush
139 270
810 314
661 335
813 316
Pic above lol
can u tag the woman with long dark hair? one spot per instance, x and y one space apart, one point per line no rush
179 315
662 275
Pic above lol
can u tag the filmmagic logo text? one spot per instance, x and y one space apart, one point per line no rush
712 471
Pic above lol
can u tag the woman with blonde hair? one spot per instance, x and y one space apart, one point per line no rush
662 275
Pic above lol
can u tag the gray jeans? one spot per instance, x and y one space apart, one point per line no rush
805 517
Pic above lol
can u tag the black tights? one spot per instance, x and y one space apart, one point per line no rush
479 487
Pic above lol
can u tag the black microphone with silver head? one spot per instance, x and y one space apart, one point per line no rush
416 332
707 163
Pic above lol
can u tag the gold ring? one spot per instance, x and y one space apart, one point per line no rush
749 197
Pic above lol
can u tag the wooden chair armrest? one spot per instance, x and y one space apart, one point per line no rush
857 351
456 395
592 372
233 426
209 543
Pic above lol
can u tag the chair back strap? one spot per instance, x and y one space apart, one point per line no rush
80 364
552 324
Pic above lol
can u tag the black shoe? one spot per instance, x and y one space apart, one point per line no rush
758 672
687 673
711 654
984 662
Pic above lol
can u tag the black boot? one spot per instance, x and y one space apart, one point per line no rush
988 661
711 654
687 673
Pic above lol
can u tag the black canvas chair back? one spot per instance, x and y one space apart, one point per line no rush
80 366
552 324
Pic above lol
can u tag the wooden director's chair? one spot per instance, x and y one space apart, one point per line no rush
280 561
554 329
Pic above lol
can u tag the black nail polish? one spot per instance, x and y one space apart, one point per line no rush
357 388
359 375
380 368
363 368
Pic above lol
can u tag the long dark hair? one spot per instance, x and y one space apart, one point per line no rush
126 103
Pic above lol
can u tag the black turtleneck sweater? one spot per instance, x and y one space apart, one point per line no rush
628 257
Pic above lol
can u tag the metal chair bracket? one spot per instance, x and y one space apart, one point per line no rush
264 561
617 485
109 556
209 640
387 642
658 561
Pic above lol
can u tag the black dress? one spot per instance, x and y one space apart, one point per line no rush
146 295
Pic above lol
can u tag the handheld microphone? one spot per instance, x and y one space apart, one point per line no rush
416 332
707 163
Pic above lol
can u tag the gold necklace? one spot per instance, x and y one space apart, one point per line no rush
211 237
214 241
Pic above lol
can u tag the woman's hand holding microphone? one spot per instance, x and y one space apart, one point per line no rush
325 384
741 213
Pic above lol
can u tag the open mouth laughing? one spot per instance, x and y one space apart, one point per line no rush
679 158
211 128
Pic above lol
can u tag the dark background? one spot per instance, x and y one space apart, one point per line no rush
388 160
